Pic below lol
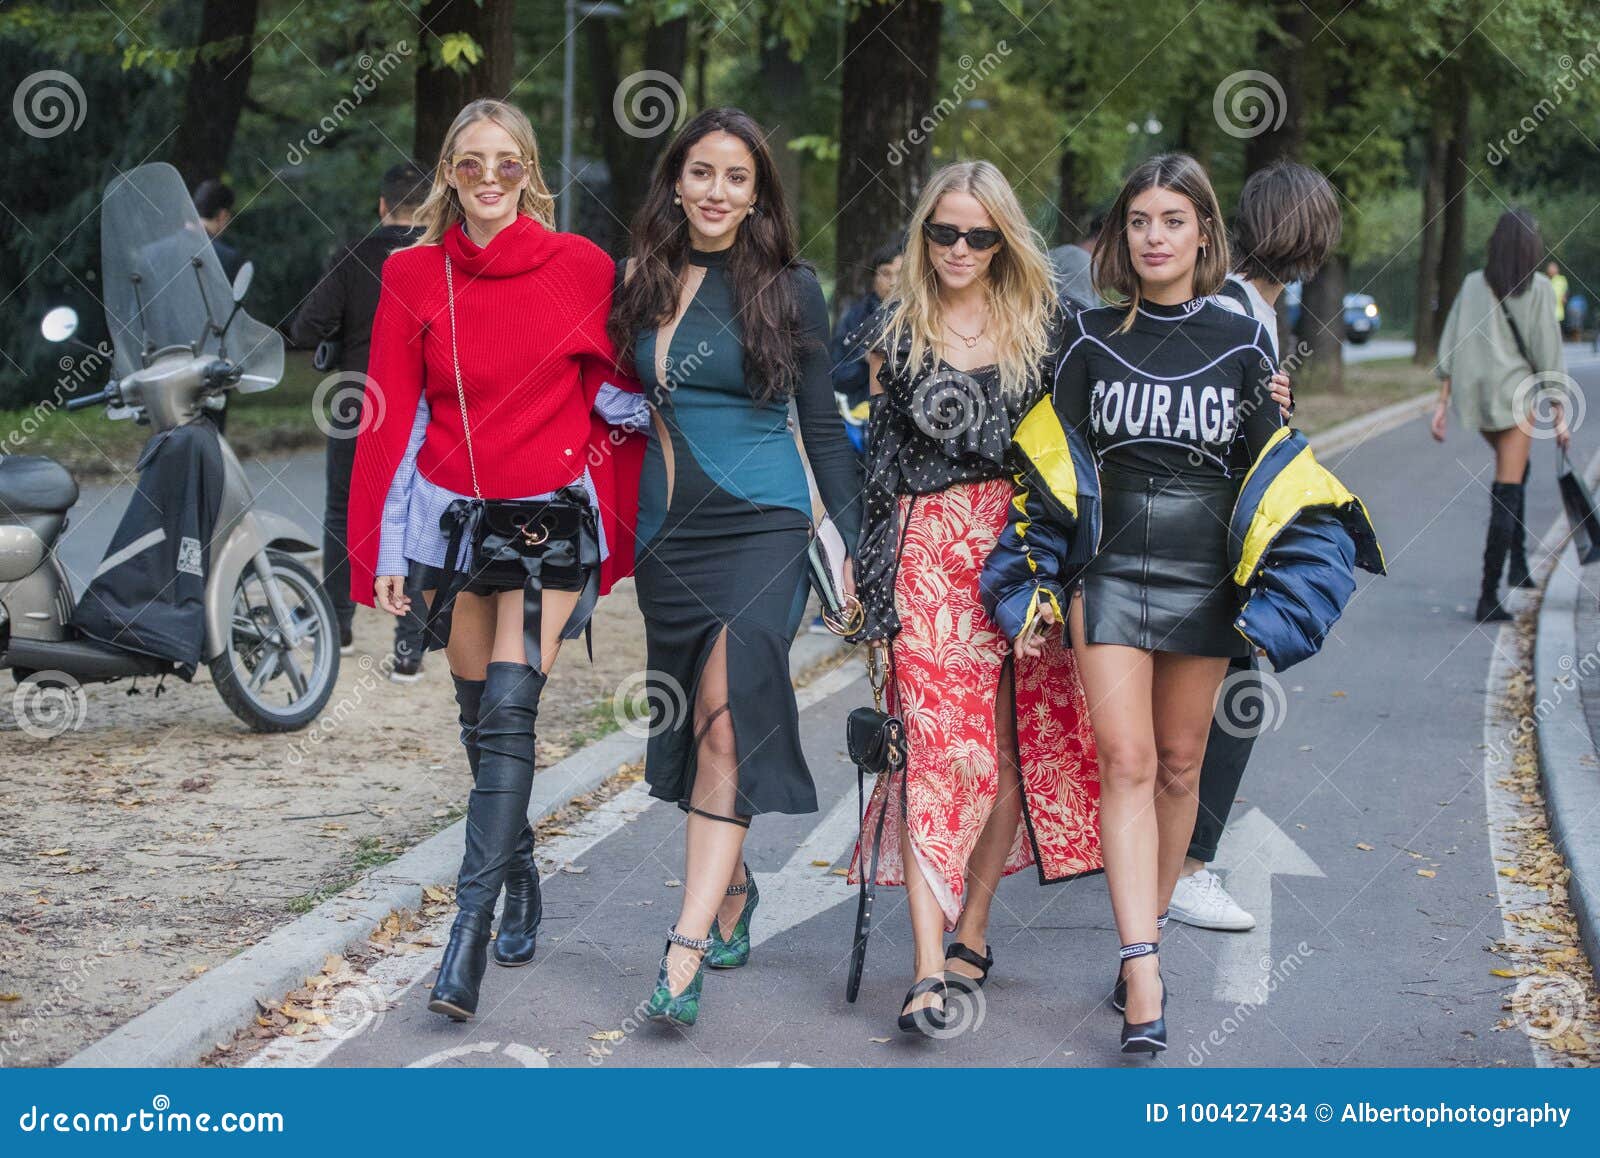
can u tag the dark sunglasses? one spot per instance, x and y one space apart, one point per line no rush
948 235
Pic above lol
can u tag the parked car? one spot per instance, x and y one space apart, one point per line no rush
1361 315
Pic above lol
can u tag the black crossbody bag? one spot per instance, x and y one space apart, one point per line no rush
876 743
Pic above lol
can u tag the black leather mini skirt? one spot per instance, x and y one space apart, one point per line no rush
1160 580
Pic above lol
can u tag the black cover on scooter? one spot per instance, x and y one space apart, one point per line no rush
148 594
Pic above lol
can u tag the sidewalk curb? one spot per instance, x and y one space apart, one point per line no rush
186 1025
1567 761
1354 431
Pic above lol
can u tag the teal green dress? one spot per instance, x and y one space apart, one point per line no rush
723 534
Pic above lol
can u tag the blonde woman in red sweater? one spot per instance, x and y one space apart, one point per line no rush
491 378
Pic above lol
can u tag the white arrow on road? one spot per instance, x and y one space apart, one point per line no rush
802 890
1253 850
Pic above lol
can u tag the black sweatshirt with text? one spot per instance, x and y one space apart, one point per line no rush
1184 391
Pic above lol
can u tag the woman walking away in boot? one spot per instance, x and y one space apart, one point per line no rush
727 325
1500 356
491 369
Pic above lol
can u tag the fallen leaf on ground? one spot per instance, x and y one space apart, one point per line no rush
821 863
606 1035
55 852
1364 847
1429 873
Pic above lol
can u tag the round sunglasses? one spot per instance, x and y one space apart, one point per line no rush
979 239
470 170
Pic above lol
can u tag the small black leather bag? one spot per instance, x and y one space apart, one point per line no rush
876 743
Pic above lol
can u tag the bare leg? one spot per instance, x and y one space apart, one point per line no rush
1117 682
988 861
1511 449
714 848
927 922
1184 692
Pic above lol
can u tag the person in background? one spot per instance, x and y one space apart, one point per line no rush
1288 223
1074 277
849 353
1558 284
1501 332
213 201
338 316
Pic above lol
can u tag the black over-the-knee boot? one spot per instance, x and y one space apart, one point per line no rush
497 812
519 919
1502 518
1518 573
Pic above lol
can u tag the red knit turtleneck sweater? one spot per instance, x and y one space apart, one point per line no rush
530 310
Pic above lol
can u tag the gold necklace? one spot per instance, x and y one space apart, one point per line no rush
972 342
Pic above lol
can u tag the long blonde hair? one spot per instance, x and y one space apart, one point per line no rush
442 207
1019 289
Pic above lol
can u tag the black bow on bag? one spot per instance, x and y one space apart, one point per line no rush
876 743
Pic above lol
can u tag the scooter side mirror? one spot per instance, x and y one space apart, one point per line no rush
241 281
59 324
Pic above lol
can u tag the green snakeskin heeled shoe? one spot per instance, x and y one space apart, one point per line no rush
683 1008
735 951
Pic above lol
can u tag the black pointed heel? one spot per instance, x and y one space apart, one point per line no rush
1119 988
926 1021
1145 1036
960 952
455 993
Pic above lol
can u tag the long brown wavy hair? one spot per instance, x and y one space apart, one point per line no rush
764 297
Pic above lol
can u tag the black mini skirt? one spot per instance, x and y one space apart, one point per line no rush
1161 580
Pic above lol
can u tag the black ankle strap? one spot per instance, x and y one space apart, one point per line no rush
1139 949
744 886
741 821
962 953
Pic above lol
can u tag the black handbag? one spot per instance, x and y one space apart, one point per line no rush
1581 516
527 540
876 743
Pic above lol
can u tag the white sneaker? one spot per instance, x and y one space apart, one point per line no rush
1201 901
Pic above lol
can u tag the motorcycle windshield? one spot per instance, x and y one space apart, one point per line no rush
164 285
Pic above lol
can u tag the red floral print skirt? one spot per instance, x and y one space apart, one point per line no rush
948 660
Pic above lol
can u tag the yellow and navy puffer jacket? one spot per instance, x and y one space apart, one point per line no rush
1295 538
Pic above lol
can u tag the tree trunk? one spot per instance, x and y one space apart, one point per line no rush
1280 139
780 103
1322 324
1424 333
631 156
441 91
1453 243
217 89
884 150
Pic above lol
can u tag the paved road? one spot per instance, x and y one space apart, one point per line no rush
1359 960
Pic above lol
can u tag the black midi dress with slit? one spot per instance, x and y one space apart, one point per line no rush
724 526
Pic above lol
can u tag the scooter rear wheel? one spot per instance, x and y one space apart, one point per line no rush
271 684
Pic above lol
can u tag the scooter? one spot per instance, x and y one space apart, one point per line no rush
270 637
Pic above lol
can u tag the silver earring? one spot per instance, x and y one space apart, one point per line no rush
676 200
